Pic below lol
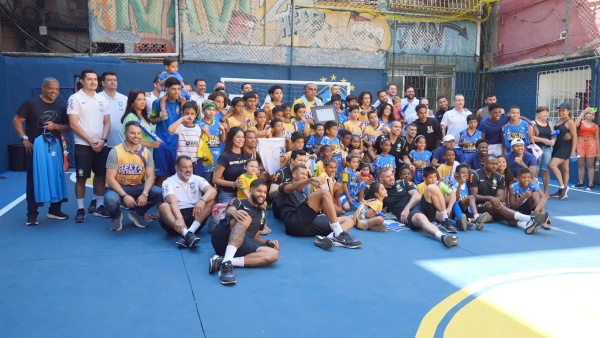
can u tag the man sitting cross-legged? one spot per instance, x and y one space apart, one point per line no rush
417 212
488 188
300 213
189 200
237 240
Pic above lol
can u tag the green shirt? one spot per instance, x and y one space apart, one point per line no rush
145 137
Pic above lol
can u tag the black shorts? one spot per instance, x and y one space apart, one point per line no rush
87 160
220 240
525 208
188 218
428 209
305 222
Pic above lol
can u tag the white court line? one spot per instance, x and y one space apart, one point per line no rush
590 221
12 204
559 229
576 189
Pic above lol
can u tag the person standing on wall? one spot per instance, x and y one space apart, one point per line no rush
90 121
39 113
115 105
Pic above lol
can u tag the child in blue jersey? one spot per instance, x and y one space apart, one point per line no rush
420 158
527 198
469 137
300 119
330 138
516 128
369 215
313 145
216 135
352 187
464 210
171 70
385 160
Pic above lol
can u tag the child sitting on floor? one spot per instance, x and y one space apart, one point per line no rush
368 215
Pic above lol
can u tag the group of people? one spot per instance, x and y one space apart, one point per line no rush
187 152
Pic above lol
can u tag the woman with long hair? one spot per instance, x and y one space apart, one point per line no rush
386 114
564 148
587 146
545 141
136 110
365 99
231 165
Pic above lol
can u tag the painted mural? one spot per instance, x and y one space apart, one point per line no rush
259 31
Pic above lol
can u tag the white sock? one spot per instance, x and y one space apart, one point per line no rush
330 235
229 253
444 214
561 187
520 217
80 203
95 196
195 226
337 229
439 235
238 261
522 224
476 216
184 232
99 201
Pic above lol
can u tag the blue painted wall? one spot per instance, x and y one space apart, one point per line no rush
20 76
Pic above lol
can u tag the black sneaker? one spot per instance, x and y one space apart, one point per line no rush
590 187
181 242
101 212
449 240
480 221
92 207
57 215
80 216
563 193
535 223
214 263
32 220
345 240
462 223
226 273
191 239
324 242
578 185
447 226
556 194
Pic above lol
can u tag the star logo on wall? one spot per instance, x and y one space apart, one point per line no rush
352 87
333 77
344 79
323 79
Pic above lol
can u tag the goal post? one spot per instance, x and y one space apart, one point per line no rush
292 89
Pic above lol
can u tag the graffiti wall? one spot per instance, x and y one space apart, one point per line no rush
269 31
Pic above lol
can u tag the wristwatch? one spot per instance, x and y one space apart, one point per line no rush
203 198
24 138
145 193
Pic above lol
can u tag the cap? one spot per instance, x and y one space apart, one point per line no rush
449 138
516 141
565 105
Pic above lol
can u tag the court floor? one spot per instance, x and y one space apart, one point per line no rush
62 279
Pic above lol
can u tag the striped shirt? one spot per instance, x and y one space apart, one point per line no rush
189 139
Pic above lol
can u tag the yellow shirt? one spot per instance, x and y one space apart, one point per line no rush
319 168
250 115
443 188
289 128
131 169
299 100
365 206
371 133
247 181
356 128
365 117
330 183
254 129
233 122
444 170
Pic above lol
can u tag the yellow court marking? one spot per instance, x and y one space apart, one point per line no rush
546 303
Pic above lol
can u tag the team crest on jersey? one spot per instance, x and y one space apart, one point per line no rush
122 179
263 218
120 104
399 187
101 104
193 185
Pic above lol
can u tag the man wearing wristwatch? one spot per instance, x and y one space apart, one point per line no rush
130 178
189 200
90 121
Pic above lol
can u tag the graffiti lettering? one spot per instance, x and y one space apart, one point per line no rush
426 35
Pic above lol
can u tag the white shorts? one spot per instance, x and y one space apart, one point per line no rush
495 149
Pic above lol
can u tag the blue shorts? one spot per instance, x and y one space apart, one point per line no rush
164 161
545 158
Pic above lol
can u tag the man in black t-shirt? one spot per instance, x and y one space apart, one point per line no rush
428 127
488 188
412 209
38 113
237 240
284 175
300 213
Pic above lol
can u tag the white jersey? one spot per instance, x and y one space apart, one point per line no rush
199 99
187 193
270 151
149 101
189 139
115 107
455 122
411 109
91 111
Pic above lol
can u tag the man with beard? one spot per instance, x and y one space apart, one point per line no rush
284 175
411 101
485 112
442 104
199 94
130 179
237 241
189 200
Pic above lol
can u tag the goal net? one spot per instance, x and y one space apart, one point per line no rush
291 89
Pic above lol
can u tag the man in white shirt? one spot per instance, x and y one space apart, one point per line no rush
199 92
391 91
115 106
425 102
153 95
455 120
189 200
411 101
90 121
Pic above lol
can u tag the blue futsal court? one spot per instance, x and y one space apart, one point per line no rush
62 279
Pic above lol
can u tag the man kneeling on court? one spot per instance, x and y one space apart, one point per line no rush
410 208
237 240
128 164
189 200
300 213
